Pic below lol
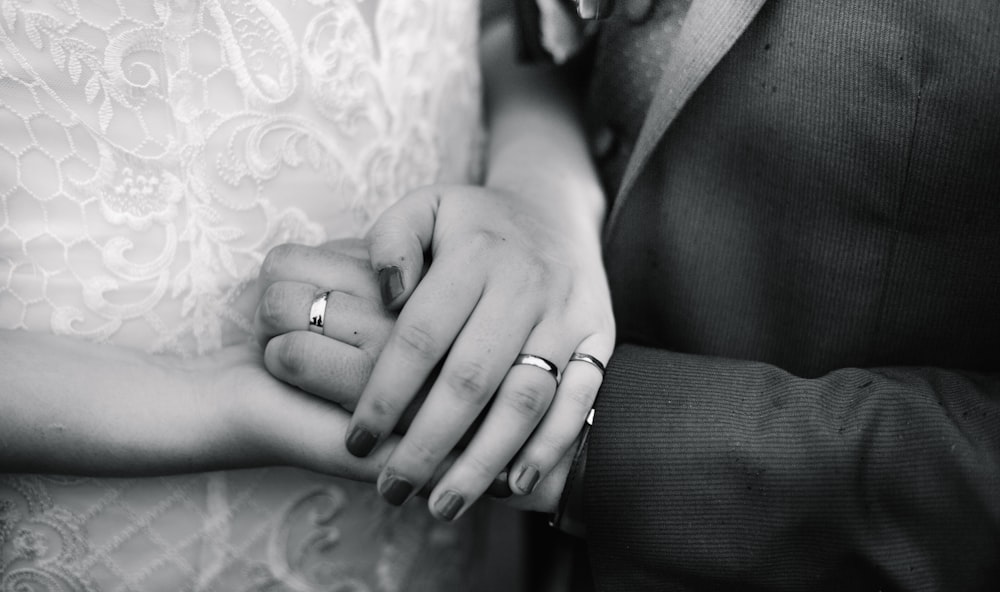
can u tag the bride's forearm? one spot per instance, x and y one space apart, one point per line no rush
72 407
538 148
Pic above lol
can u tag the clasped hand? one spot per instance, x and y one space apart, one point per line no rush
502 278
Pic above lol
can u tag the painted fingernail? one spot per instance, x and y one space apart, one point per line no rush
449 504
527 479
395 490
390 280
499 488
361 441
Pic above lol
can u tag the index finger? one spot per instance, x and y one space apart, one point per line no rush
422 335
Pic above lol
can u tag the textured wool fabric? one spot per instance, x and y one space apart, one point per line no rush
710 473
806 275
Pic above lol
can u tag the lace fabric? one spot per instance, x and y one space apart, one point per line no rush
151 153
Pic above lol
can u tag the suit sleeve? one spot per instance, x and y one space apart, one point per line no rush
707 473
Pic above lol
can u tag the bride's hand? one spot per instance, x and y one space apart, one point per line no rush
116 411
273 423
509 276
334 360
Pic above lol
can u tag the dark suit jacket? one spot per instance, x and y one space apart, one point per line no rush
804 253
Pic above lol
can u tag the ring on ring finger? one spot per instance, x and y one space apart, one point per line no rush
317 312
539 362
519 404
589 359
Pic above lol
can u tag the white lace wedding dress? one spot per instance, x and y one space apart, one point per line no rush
151 152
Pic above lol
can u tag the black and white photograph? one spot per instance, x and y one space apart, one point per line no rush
499 296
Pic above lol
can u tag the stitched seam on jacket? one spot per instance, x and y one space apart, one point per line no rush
889 274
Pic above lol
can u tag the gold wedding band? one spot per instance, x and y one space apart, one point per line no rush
579 357
317 312
538 362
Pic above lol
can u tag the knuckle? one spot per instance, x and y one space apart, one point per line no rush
480 468
423 456
530 400
536 275
291 356
484 240
382 407
581 395
470 383
537 267
419 339
545 445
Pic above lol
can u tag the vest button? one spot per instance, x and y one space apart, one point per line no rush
603 142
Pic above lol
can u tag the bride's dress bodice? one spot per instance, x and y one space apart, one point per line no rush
151 153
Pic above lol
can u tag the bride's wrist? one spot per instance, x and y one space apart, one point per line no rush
235 428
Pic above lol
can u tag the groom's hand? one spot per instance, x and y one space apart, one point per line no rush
515 288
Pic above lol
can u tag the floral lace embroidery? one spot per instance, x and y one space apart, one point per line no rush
150 155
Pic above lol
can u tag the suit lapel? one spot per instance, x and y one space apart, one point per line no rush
710 29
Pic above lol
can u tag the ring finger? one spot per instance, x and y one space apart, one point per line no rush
288 306
420 338
519 405
475 367
572 404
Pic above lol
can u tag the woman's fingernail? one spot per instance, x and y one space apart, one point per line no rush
396 490
390 280
361 441
527 479
449 504
499 488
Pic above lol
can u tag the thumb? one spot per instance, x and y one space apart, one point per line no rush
397 243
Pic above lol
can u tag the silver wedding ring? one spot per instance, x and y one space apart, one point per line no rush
538 362
578 357
317 312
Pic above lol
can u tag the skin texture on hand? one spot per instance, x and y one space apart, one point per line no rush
282 424
335 365
181 415
506 279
